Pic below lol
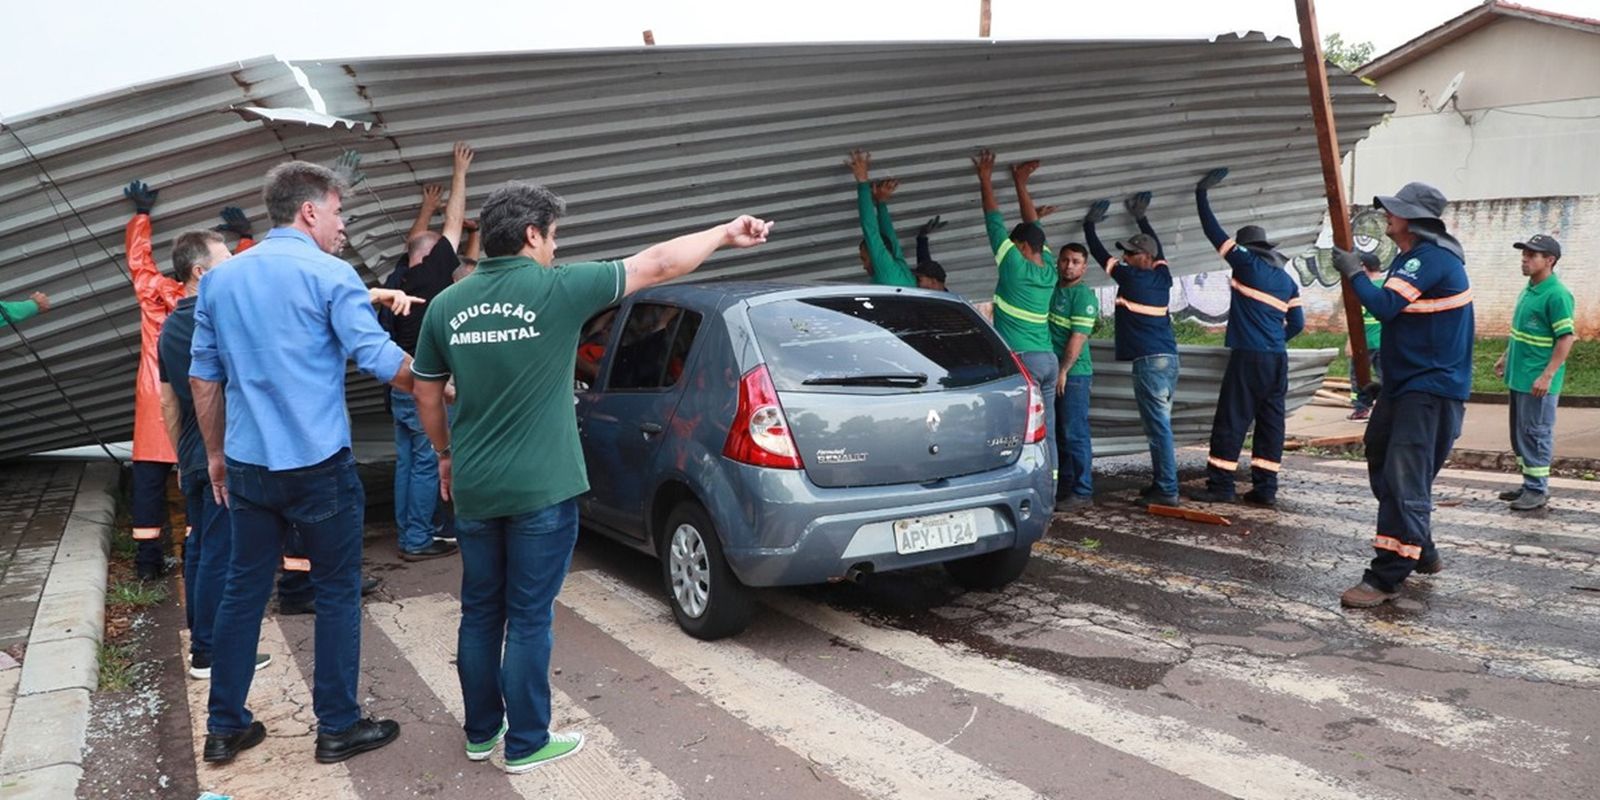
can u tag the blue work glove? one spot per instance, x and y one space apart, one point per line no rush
1138 204
932 226
1097 212
1212 178
141 195
1346 263
234 221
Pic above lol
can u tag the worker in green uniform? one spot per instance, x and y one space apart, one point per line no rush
13 313
1024 287
1534 367
881 256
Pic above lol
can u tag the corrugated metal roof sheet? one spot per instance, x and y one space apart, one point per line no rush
645 144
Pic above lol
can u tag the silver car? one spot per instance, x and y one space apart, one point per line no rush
754 434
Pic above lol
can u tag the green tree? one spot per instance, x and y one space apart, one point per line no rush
1348 55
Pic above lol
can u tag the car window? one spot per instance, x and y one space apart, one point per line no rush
878 343
655 345
592 344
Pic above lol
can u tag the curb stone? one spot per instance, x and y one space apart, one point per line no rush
41 753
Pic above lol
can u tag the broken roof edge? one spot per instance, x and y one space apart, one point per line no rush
68 106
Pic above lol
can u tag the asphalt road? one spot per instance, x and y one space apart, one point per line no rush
1137 657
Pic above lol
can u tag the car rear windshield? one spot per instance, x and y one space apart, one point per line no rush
878 343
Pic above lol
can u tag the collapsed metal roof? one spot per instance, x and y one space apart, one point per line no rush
645 144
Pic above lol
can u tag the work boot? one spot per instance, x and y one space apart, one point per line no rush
1433 567
1365 595
1160 500
1210 495
1147 491
1529 501
1073 502
1256 498
221 749
1511 494
435 549
367 734
1360 415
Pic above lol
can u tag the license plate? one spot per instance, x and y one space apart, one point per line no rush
921 534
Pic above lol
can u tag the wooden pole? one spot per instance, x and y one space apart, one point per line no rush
649 38
983 19
1332 180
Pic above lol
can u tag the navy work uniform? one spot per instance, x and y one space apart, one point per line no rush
1265 313
1425 307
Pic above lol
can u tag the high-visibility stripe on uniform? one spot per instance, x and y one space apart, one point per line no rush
1226 247
1532 338
1222 463
1434 305
1561 326
1057 319
1296 302
296 564
1025 316
1257 462
1533 472
146 534
188 530
1394 545
1403 288
1258 295
1141 308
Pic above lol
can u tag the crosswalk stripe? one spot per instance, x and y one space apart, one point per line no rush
1504 480
1541 663
281 700
424 630
1209 757
867 751
1446 515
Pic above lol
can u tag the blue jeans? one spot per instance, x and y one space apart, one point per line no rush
416 475
1073 444
1407 440
325 503
1155 380
1043 366
511 571
205 559
1533 437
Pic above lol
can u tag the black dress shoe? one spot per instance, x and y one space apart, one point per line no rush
367 734
221 749
435 549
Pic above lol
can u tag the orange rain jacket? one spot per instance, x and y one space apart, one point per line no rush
158 295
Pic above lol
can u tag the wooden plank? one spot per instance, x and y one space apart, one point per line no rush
1189 514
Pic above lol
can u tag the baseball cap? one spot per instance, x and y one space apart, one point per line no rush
1541 243
1139 243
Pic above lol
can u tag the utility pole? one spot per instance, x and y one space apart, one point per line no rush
649 38
983 19
1332 180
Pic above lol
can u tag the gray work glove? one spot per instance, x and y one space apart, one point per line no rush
346 165
1138 204
1346 263
1211 179
1097 212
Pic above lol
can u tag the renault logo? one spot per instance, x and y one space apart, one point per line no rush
933 421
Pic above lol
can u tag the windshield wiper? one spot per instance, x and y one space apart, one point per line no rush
909 379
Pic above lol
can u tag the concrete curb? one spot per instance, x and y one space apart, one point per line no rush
42 754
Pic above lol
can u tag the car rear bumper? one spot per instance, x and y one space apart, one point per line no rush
797 533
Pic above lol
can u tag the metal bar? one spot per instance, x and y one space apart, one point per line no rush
1338 206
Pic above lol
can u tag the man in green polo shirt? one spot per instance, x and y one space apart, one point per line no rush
1534 367
881 255
1073 313
508 335
1025 285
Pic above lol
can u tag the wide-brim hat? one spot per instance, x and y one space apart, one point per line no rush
1254 235
1415 200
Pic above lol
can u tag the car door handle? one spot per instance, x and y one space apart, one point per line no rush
650 428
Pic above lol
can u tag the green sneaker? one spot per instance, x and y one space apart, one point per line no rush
560 746
480 751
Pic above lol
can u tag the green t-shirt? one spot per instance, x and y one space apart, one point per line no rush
1543 315
1074 310
1373 327
509 335
1023 292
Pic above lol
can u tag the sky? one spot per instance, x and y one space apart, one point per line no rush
86 47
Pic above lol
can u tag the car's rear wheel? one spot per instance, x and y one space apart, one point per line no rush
990 570
707 600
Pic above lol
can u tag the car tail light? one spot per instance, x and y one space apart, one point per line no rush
1035 428
760 433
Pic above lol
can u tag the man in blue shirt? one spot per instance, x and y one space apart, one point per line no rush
1265 313
1144 336
283 458
1425 307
